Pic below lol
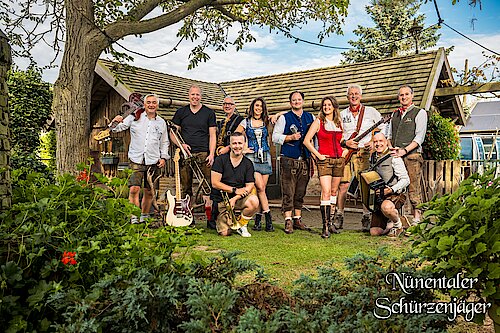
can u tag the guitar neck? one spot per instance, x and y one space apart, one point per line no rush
177 181
365 133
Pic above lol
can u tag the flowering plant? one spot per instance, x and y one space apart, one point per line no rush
69 258
442 141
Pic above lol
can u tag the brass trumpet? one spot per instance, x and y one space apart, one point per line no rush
203 183
235 222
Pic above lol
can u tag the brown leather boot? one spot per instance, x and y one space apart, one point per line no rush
288 226
298 224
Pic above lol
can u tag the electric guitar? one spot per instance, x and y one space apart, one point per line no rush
350 151
178 214
135 103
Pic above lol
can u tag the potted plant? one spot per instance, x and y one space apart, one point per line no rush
109 158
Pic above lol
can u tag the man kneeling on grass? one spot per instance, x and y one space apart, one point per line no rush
233 173
386 219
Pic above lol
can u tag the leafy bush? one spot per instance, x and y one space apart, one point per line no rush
30 101
113 260
442 141
72 262
48 149
465 236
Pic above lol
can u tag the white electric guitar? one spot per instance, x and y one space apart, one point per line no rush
178 214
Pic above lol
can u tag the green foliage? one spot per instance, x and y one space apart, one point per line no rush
72 262
113 260
393 19
442 141
48 149
30 102
465 237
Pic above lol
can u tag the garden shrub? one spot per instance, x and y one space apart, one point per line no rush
465 236
30 100
72 262
442 141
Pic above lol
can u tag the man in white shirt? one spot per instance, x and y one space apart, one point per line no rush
385 218
406 133
148 149
360 159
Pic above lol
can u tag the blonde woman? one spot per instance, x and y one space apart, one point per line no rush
328 129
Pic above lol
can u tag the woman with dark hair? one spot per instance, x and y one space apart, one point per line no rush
256 129
328 129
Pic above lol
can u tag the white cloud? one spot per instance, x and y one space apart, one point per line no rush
465 49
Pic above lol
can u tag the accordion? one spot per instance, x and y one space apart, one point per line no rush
370 182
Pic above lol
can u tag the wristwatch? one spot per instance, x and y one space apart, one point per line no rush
233 191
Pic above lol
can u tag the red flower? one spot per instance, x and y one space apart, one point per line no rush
83 176
69 258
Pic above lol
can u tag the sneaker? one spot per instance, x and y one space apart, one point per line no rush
243 231
365 223
395 232
134 219
143 218
339 221
288 226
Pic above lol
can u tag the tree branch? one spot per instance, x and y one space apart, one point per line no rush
142 9
123 28
230 15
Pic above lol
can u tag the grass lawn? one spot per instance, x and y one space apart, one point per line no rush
284 257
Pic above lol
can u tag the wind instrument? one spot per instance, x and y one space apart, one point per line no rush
204 185
235 224
222 134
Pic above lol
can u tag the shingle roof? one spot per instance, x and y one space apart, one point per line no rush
380 78
484 117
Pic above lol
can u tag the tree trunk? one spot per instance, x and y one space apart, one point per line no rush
73 88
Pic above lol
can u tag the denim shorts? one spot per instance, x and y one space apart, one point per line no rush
262 168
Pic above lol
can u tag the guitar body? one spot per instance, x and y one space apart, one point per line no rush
348 152
178 214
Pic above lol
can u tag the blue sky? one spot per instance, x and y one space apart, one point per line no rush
273 53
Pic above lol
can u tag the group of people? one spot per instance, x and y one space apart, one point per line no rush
234 156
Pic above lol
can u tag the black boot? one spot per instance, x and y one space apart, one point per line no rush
269 222
331 227
325 215
257 226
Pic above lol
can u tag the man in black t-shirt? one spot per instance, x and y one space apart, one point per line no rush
233 174
198 128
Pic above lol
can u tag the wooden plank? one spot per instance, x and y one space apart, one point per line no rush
466 90
448 177
438 176
433 79
456 175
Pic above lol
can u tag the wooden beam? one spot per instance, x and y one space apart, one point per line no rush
167 102
467 90
342 101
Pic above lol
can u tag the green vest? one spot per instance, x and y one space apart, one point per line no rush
403 129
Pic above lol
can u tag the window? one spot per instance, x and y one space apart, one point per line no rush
466 152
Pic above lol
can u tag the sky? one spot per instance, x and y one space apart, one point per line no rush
274 53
